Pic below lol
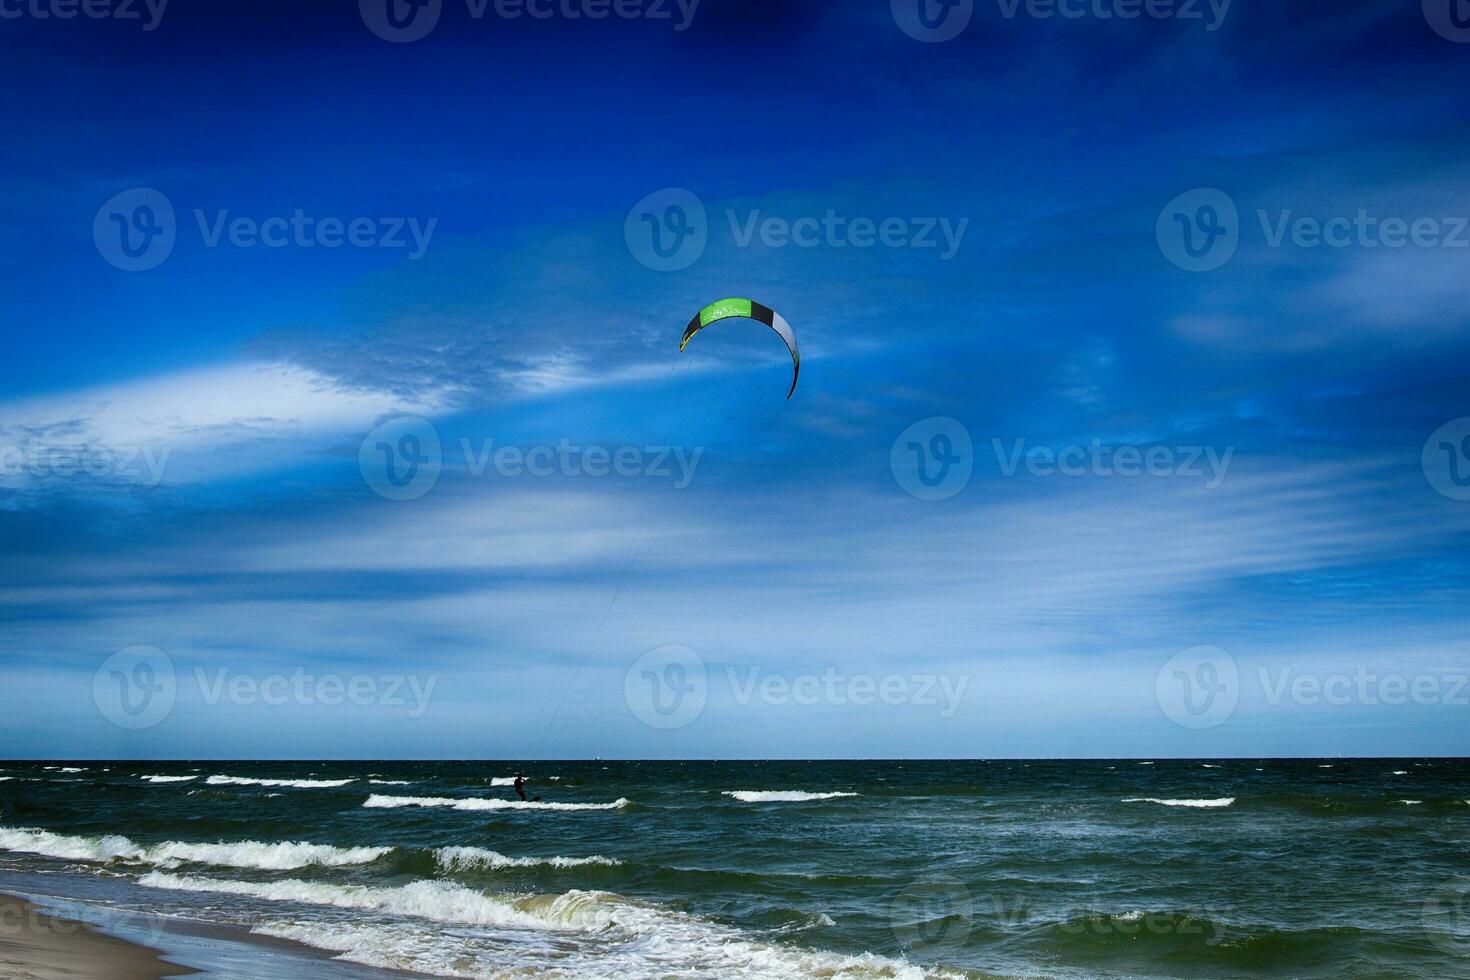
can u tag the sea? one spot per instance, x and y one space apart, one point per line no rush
857 869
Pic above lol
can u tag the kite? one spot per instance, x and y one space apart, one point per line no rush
727 308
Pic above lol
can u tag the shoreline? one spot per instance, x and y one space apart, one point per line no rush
37 945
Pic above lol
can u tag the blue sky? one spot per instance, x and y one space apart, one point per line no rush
243 533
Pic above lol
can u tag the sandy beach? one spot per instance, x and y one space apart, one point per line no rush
36 946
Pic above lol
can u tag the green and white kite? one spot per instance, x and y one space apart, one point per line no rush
726 309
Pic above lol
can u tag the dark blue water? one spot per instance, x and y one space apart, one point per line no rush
1321 868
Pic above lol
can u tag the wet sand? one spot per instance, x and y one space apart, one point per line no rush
37 946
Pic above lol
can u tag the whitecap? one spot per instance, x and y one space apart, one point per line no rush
781 796
377 801
270 856
293 783
168 779
459 858
627 939
1199 804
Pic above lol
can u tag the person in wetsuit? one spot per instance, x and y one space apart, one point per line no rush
521 787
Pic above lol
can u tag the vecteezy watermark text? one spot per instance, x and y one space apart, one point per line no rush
138 687
1211 13
834 687
402 459
834 230
148 12
306 689
565 459
669 230
1201 687
1099 459
669 687
137 230
135 465
403 21
1201 229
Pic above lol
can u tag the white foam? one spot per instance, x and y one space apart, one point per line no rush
293 783
168 779
66 847
781 796
390 782
377 801
1199 804
280 856
440 901
1411 802
502 780
622 939
1399 772
6 779
457 858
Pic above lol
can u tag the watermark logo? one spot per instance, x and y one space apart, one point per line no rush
1363 687
932 21
22 921
834 687
667 230
135 230
401 459
411 691
135 688
934 918
131 465
400 21
1446 917
1199 230
1198 688
1211 13
1450 19
836 230
1206 463
1446 460
933 458
667 688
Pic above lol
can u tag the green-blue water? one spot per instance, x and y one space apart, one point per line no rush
1321 868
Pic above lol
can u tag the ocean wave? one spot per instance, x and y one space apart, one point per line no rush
68 848
781 796
168 779
1223 801
293 783
377 801
458 858
440 901
502 780
279 856
391 782
628 939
